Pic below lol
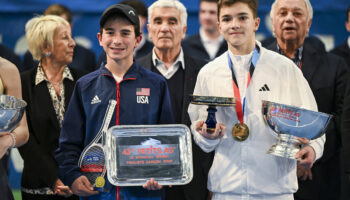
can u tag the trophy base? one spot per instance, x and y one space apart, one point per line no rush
287 146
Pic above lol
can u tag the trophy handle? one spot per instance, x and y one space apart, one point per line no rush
211 119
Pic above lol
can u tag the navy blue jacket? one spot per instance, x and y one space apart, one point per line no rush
88 105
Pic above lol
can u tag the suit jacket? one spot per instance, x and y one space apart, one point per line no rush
197 188
83 59
346 127
143 51
343 51
325 74
40 167
193 46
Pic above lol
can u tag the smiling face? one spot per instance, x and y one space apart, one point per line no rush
238 25
63 45
290 21
118 39
165 28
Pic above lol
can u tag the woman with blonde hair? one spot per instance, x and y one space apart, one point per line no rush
47 90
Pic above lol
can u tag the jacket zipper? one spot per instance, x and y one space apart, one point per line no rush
117 114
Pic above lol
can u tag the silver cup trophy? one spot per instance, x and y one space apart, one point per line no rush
289 123
11 112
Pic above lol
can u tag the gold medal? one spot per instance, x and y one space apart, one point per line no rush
240 132
100 182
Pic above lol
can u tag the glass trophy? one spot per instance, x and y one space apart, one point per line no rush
212 102
11 112
289 123
137 153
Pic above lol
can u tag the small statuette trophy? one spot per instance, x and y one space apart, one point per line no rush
212 102
11 112
291 122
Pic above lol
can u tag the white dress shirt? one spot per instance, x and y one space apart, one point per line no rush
211 46
168 72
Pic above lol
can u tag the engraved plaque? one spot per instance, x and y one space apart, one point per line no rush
137 153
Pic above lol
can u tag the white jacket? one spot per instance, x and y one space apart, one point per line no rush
242 169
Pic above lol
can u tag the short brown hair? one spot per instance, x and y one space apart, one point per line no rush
59 10
252 4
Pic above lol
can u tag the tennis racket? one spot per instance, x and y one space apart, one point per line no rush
92 160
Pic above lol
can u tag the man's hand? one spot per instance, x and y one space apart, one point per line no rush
62 189
303 173
307 155
219 132
152 185
82 187
303 140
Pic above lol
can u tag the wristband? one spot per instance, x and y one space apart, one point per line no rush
13 139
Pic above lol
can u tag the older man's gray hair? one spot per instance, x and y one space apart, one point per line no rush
169 4
308 7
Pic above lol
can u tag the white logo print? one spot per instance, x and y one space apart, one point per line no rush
131 12
142 99
95 100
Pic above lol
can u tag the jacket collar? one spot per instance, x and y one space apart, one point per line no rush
133 71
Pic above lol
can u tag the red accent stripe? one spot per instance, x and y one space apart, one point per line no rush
117 193
237 94
91 170
118 104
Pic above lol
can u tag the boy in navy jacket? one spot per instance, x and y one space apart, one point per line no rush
142 98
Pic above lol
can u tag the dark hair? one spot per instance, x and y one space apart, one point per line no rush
58 9
252 4
348 14
139 6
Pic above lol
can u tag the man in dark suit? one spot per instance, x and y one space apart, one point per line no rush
343 49
145 46
325 73
83 58
208 43
167 27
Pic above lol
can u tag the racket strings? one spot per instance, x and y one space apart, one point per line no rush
93 163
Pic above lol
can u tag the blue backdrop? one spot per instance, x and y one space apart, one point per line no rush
328 24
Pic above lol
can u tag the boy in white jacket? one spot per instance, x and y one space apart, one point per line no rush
243 169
